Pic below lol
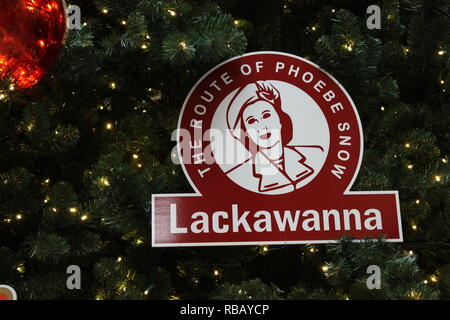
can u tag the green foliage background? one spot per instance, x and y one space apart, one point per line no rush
71 191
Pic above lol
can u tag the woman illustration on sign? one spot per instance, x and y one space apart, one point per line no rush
257 121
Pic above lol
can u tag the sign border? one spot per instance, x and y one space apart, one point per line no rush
259 243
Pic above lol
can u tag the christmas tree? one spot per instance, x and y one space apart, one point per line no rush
83 151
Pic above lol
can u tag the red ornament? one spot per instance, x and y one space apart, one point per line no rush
32 33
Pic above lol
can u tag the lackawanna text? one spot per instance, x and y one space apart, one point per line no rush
280 220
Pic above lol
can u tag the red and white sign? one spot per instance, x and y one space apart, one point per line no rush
271 144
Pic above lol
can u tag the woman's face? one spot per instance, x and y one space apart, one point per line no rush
262 124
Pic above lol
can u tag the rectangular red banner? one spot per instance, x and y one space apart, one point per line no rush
191 220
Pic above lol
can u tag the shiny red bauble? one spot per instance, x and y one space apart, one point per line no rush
32 33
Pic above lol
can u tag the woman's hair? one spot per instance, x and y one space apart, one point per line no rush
267 93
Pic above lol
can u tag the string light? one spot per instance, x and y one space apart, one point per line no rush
84 217
146 292
407 145
119 259
425 281
11 87
104 181
444 160
123 22
413 294
174 155
433 279
437 178
113 85
3 96
417 201
144 47
21 268
324 268
216 273
109 126
410 166
173 13
441 52
174 298
19 217
73 210
313 28
54 210
349 45
183 45
442 81
265 248
382 108
30 127
139 165
333 10
414 227
105 11
135 156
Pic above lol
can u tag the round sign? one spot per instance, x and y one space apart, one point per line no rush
7 293
269 123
